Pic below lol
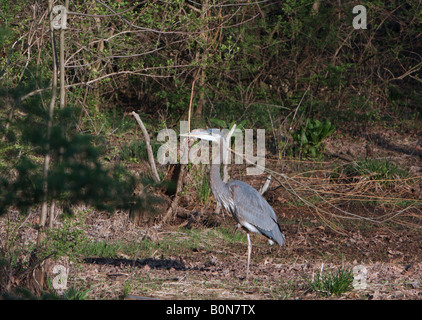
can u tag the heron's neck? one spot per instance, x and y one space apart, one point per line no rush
217 184
215 176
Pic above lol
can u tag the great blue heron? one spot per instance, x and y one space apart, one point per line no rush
248 207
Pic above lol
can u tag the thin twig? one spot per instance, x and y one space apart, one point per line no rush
294 186
171 212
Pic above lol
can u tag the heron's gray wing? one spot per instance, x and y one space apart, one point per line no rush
251 207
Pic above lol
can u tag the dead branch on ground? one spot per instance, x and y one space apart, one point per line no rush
155 175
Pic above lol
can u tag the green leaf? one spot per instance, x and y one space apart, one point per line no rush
219 122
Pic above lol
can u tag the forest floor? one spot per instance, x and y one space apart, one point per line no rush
205 264
204 257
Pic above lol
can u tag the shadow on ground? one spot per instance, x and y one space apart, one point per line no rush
383 142
150 262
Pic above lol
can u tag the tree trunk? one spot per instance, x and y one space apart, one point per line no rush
44 206
62 73
204 56
62 105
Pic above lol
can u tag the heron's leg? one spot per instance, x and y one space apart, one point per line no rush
249 255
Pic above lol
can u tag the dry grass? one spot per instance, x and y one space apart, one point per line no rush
327 220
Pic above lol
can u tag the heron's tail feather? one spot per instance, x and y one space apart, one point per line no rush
279 237
274 234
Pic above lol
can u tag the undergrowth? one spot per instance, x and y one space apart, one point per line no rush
330 283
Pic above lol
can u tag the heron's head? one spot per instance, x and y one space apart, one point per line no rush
214 135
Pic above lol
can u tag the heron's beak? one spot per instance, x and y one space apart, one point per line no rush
204 135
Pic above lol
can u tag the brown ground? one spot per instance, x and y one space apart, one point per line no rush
196 261
392 260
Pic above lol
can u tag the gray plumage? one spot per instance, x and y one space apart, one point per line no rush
246 204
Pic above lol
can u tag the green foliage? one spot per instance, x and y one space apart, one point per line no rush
202 183
64 241
310 136
248 58
76 176
103 249
204 190
384 171
136 150
74 293
71 293
224 125
332 283
229 235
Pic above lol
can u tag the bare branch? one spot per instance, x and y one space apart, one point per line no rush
155 175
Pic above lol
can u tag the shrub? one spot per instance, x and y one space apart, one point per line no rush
310 136
332 283
383 171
